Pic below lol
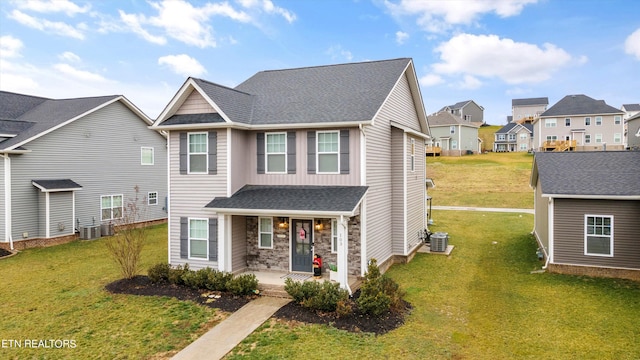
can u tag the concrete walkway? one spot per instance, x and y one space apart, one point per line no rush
472 208
218 341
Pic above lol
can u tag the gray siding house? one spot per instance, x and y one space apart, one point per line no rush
580 122
587 206
70 163
293 163
453 135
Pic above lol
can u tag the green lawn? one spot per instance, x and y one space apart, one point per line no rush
57 293
482 302
485 180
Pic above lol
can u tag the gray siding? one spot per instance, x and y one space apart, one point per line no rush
416 193
569 232
302 177
239 243
191 192
398 205
541 218
101 152
399 108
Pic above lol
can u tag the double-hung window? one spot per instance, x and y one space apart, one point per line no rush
328 152
598 235
276 153
265 225
110 207
146 155
198 239
197 153
549 123
598 120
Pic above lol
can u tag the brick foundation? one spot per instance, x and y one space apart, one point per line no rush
595 271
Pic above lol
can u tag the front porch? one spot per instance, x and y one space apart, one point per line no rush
271 283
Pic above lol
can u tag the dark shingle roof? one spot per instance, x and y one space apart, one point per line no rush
604 173
58 184
293 198
580 105
333 93
194 119
530 101
44 114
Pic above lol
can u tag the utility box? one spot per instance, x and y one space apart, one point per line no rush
439 241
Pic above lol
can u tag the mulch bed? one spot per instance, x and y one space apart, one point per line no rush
356 322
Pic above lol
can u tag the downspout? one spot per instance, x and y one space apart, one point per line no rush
7 200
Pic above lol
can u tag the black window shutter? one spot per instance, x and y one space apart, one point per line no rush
291 152
213 152
260 152
213 239
184 237
311 152
183 152
344 151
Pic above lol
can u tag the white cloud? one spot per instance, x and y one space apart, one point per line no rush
183 65
133 22
10 46
42 6
431 80
56 27
438 16
268 7
337 52
401 37
490 56
632 44
69 56
79 74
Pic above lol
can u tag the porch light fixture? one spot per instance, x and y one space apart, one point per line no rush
283 224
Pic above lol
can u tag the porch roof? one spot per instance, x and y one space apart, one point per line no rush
291 199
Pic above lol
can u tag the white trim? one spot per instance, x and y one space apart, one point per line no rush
611 242
266 153
270 232
206 238
337 152
206 152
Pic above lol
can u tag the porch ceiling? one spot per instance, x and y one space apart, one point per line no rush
289 199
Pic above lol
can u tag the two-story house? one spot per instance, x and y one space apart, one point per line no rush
578 122
73 165
292 163
452 135
514 137
469 111
528 109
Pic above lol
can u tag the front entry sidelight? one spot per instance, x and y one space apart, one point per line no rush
302 245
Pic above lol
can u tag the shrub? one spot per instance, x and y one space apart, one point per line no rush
243 284
218 280
159 272
175 274
378 293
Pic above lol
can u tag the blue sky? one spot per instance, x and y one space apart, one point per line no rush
489 51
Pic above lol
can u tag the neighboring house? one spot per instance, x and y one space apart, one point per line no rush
630 110
633 132
468 110
587 206
578 122
529 109
514 137
70 163
454 136
293 163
